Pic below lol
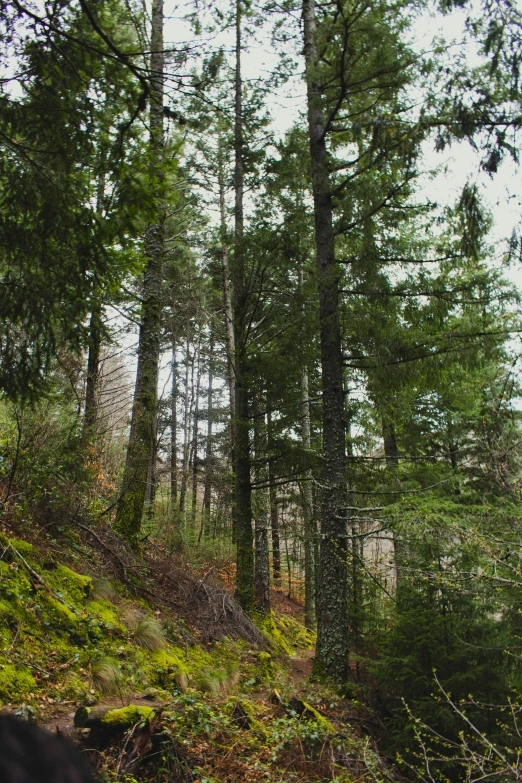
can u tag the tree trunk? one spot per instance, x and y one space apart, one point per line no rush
208 452
244 535
186 423
306 492
261 515
308 508
130 506
227 299
93 359
150 495
93 370
331 660
317 542
195 434
391 453
229 325
174 430
274 518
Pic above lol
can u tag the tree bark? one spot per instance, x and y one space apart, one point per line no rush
229 325
93 358
227 299
208 450
261 515
150 495
93 371
306 491
391 451
244 535
274 518
195 434
308 507
391 454
331 661
186 424
174 430
130 507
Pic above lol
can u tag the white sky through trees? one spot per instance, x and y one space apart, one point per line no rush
457 164
286 104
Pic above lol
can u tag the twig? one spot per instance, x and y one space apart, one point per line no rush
15 638
107 549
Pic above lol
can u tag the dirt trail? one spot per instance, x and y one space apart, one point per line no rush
301 668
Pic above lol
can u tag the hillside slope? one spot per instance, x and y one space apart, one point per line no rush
154 696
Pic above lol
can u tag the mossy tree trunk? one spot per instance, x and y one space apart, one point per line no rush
130 507
331 660
152 479
244 531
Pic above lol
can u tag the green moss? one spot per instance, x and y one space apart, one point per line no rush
60 613
173 667
75 587
268 625
295 632
15 684
106 613
157 694
13 579
127 716
266 667
162 668
73 686
7 611
169 658
26 550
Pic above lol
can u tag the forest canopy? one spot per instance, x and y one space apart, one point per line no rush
257 298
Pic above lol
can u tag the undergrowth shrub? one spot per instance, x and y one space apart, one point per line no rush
105 676
455 627
149 634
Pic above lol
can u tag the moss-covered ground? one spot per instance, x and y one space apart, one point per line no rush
222 712
61 641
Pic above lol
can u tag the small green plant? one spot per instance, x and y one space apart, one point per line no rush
105 676
131 617
103 589
149 635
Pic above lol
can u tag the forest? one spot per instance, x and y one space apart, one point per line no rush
260 390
